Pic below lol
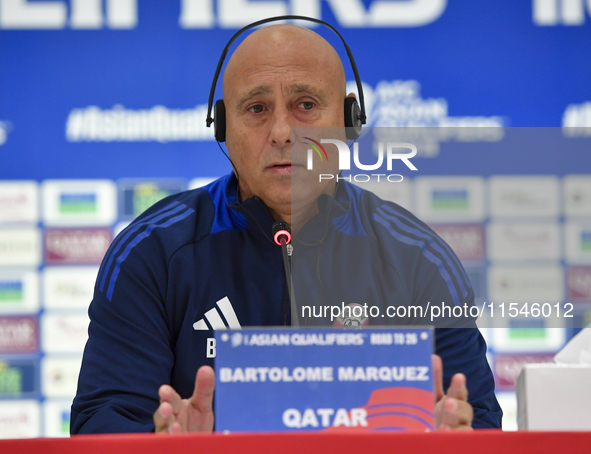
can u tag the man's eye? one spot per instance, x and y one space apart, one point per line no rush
256 109
307 105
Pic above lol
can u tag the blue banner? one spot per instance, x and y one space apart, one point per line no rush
322 379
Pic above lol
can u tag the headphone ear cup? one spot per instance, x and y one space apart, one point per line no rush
352 118
219 120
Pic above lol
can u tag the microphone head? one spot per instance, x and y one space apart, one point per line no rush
281 230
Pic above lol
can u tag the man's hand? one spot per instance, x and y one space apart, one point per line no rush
452 410
176 415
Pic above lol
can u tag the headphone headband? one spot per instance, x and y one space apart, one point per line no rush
209 120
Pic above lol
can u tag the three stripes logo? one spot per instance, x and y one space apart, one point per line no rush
213 318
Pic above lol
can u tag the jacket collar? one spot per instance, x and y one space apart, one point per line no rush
257 214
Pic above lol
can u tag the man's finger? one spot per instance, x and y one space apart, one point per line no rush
175 428
168 394
457 388
163 417
455 413
202 398
462 427
165 410
437 376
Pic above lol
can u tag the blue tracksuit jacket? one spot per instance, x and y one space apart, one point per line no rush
200 260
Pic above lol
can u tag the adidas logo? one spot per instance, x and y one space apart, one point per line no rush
213 320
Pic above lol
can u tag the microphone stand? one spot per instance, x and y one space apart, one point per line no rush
282 237
286 265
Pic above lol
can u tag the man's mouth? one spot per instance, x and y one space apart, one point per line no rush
282 168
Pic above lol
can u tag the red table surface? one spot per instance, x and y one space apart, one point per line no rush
478 442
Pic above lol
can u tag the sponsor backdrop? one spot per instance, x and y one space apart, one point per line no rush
102 113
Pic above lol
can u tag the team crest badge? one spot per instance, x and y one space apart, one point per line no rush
353 317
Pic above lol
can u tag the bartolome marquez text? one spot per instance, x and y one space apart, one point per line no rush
323 374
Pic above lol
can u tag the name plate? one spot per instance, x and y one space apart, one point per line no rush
278 379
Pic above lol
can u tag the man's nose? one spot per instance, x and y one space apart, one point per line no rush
281 124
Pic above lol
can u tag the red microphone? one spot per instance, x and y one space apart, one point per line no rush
282 236
281 233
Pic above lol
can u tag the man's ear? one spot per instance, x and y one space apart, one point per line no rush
351 95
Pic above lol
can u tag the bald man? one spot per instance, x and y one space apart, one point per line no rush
205 255
281 77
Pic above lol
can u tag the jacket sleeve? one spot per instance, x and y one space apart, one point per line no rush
458 340
128 354
433 275
464 350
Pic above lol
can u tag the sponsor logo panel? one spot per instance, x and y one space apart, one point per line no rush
578 242
448 199
19 202
64 333
523 242
59 376
66 287
453 199
467 241
20 419
11 291
399 193
528 335
20 247
523 196
19 378
579 284
136 196
19 292
533 284
524 329
79 202
577 195
19 334
76 246
508 366
56 417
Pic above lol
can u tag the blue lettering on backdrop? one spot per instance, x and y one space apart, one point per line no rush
112 89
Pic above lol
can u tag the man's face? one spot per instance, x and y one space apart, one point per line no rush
269 88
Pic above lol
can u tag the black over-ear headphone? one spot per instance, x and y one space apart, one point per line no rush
354 116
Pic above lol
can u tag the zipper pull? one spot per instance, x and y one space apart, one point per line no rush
289 249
